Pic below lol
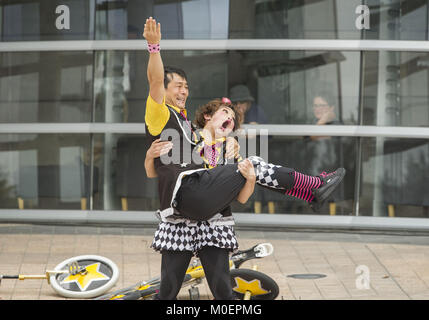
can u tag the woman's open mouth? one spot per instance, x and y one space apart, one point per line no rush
225 124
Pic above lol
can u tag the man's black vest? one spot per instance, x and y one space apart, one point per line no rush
180 132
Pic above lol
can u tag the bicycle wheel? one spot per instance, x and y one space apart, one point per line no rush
261 286
87 276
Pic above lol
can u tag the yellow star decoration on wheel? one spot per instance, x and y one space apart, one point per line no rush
254 286
84 280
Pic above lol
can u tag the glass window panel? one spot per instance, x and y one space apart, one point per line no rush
328 19
397 20
271 19
283 84
195 19
395 88
46 87
47 20
214 19
45 171
394 177
120 181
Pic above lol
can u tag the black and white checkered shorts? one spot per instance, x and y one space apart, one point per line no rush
184 237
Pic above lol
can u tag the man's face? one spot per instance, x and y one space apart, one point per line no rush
243 106
177 91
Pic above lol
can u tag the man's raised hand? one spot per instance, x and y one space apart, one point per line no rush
152 31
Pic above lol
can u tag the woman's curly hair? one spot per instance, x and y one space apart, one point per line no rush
210 109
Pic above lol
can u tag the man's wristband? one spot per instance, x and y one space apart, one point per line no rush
153 48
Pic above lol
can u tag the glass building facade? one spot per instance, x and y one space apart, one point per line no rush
73 89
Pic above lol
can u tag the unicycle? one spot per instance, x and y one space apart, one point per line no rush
79 277
247 283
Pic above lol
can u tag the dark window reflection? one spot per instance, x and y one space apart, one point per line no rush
45 171
398 20
394 177
215 19
122 182
201 19
36 20
46 87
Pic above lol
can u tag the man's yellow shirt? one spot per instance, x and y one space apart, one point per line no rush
157 115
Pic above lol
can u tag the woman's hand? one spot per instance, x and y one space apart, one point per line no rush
246 169
152 31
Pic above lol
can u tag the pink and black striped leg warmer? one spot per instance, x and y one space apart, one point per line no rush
303 184
279 179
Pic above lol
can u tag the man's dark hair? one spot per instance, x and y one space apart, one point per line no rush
169 71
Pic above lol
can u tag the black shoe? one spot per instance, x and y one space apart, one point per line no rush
330 181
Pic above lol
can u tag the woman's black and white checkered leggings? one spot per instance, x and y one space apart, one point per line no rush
272 176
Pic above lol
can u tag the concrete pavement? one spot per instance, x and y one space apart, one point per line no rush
354 265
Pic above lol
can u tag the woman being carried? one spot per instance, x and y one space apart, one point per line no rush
229 182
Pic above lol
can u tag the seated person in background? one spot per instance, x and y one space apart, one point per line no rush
250 111
324 112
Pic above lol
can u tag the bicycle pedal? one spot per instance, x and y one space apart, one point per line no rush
258 251
263 250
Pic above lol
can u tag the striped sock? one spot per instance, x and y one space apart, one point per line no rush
303 184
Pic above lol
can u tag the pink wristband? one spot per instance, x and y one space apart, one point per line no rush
153 48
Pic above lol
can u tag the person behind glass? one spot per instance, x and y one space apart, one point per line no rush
331 149
324 112
251 112
189 191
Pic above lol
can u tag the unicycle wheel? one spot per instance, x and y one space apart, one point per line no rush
87 276
260 286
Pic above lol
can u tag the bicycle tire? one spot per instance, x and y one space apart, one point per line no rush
101 275
261 286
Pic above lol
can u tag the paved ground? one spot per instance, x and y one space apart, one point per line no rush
398 265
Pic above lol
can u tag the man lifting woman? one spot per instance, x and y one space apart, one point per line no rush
196 189
185 185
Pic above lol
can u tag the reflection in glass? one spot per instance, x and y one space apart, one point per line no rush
122 183
282 84
396 88
395 93
47 20
215 19
197 19
398 20
45 87
288 82
398 187
45 171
